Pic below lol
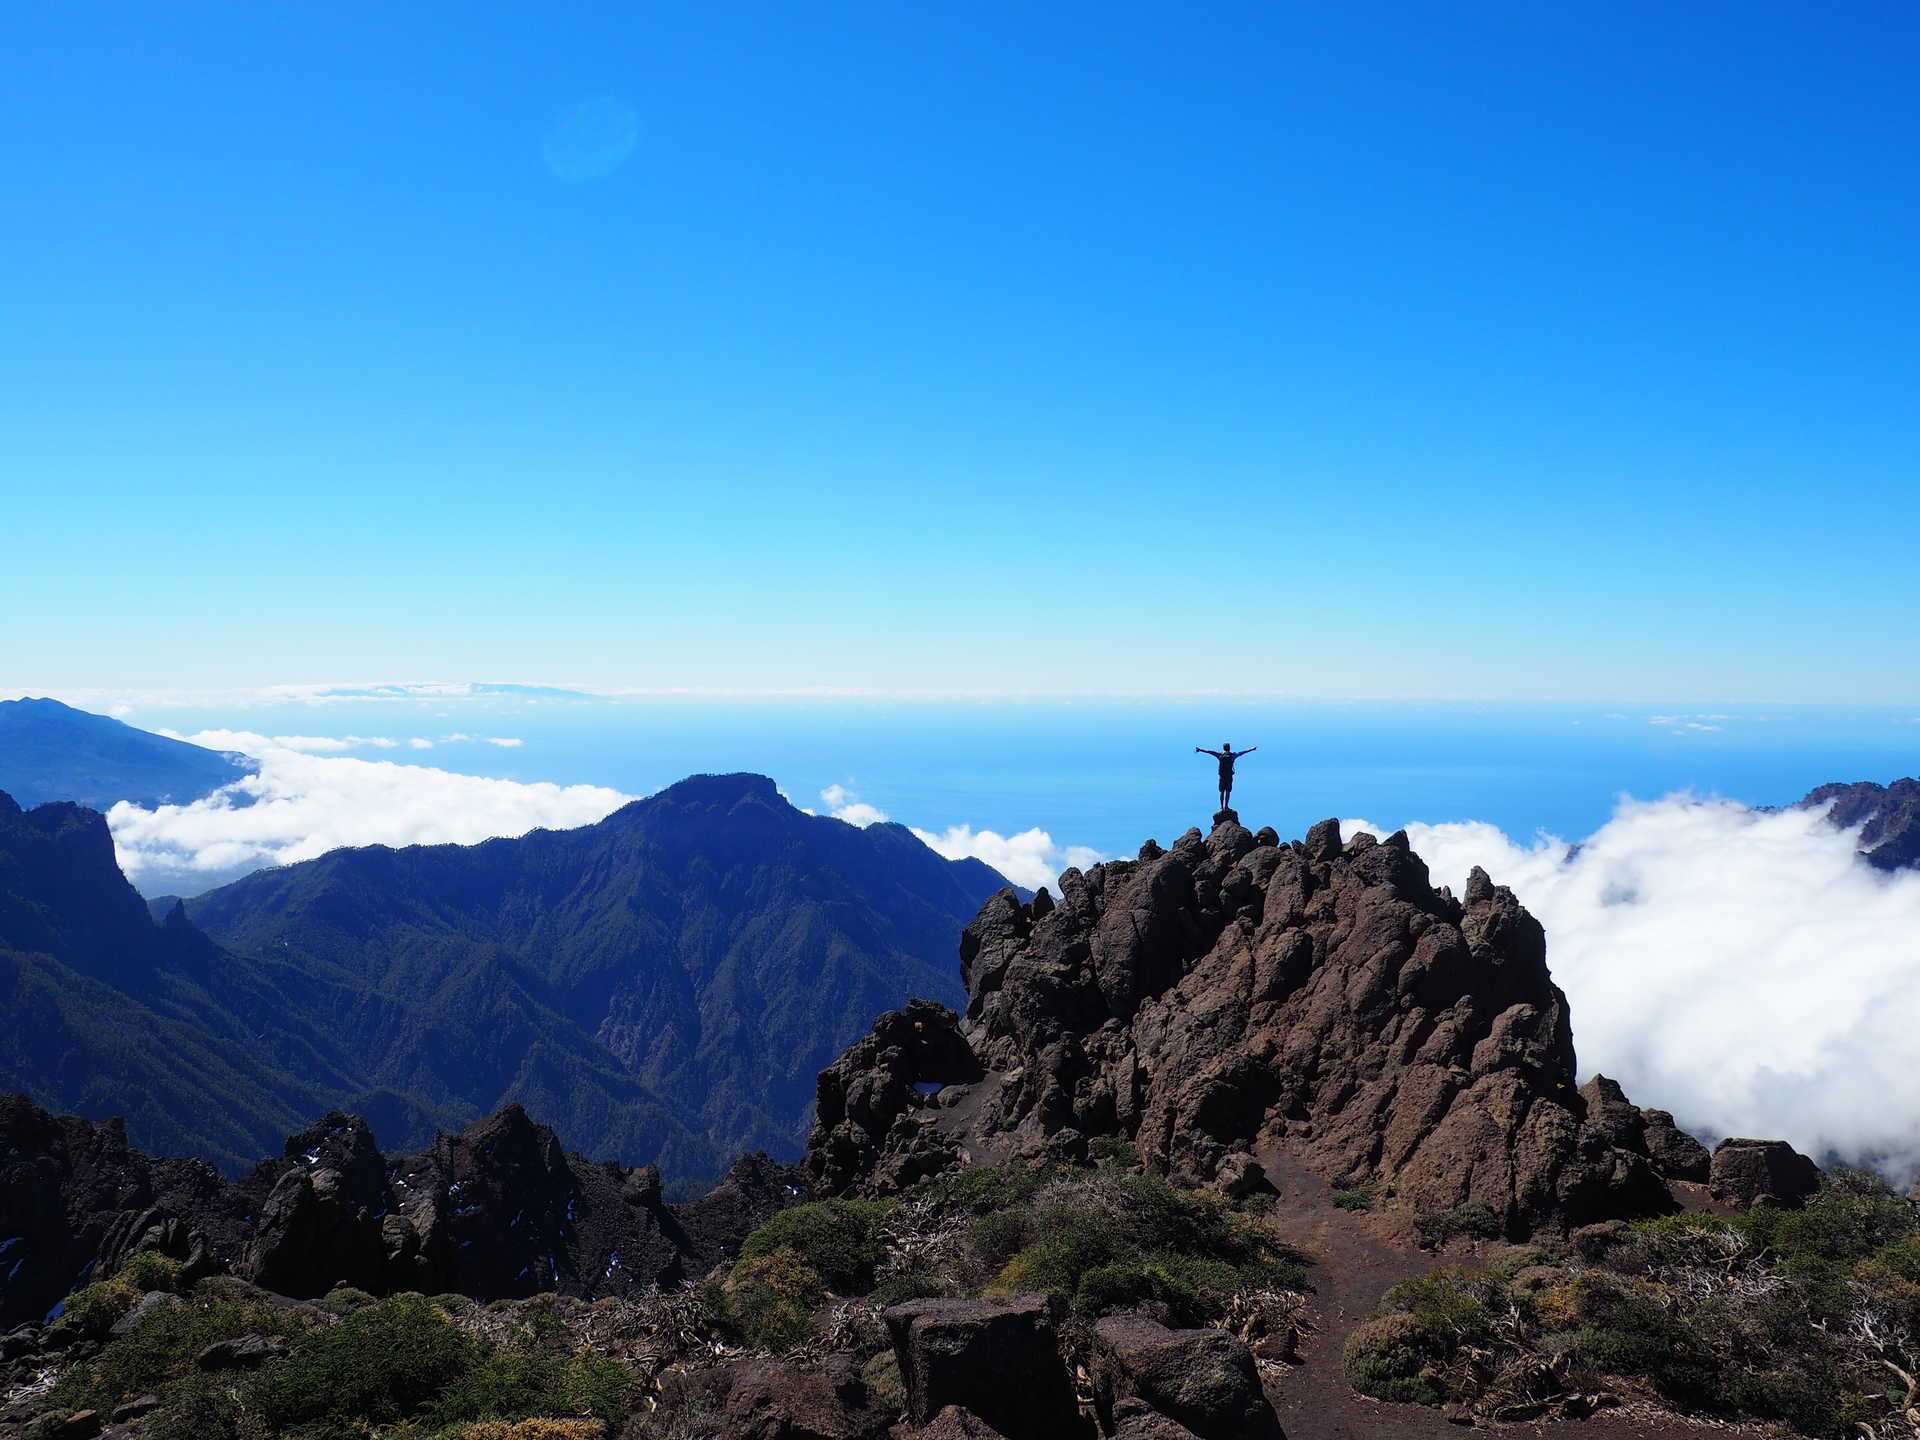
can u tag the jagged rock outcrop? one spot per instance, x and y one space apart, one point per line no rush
498 1210
1652 1133
1888 817
1234 997
1753 1172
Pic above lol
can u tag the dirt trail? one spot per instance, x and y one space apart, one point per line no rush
1355 1258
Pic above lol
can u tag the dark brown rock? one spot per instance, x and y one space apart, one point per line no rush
1204 1380
999 1359
776 1400
138 1408
1673 1153
1226 997
498 1210
1754 1172
952 1423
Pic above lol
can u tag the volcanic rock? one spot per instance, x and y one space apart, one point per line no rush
999 1359
1888 817
1752 1172
1204 1380
1229 998
497 1211
1675 1154
777 1400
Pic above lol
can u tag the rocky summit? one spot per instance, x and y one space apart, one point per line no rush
1236 1003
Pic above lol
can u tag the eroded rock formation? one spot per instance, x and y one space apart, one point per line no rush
1235 997
498 1210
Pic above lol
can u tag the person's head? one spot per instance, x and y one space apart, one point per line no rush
1226 744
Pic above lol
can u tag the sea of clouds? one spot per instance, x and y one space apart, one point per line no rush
1743 968
307 798
1029 858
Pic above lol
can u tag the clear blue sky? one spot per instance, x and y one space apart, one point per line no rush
1489 350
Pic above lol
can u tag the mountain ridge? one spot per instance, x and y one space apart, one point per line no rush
51 751
690 935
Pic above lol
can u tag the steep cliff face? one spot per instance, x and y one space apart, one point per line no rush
1888 817
1236 998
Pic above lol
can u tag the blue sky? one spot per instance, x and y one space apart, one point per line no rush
1491 351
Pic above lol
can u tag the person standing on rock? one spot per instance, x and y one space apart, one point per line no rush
1226 755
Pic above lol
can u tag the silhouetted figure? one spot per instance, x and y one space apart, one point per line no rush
1226 755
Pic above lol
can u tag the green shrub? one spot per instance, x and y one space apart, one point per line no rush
453 1303
199 1406
982 1189
522 1385
379 1364
1067 1241
345 1300
150 1270
1113 1153
905 1285
162 1348
770 1299
1452 1306
995 1238
1358 1198
1388 1356
836 1238
1475 1218
97 1308
884 1382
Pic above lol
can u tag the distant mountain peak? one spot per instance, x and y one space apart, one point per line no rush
52 751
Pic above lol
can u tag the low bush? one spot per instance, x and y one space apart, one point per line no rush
162 1349
380 1364
345 1299
150 1270
836 1238
1110 1152
1360 1197
523 1385
1475 1219
1390 1357
1111 1241
97 1308
770 1299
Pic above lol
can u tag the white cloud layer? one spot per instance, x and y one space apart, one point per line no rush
1029 859
1741 968
301 804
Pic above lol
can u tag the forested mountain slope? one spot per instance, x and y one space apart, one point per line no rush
711 944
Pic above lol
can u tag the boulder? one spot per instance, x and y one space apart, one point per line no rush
777 1400
1204 1380
1753 1172
998 1359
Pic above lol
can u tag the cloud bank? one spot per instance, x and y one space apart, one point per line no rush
305 801
1741 968
1030 859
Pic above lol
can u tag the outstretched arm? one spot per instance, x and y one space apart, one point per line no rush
1215 753
1248 751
